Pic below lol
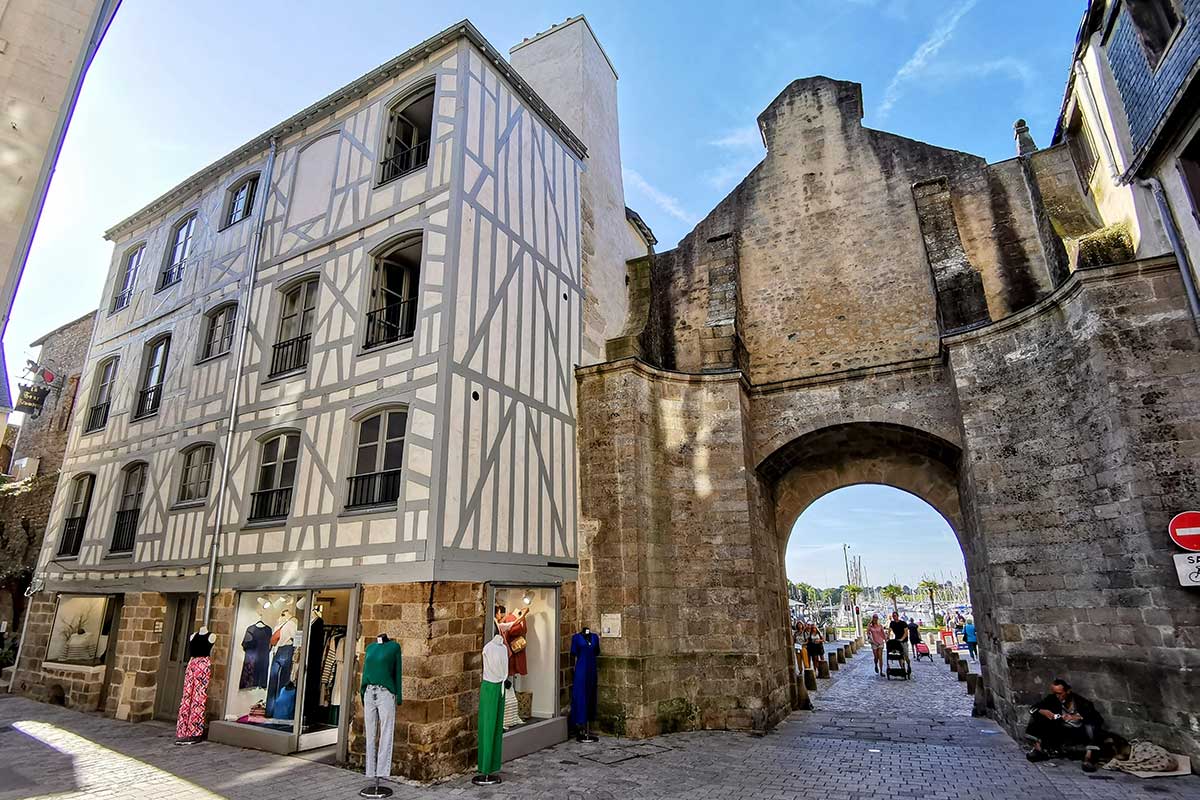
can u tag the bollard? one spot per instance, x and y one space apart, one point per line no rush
964 669
841 655
941 648
972 682
810 679
803 702
979 708
831 660
822 668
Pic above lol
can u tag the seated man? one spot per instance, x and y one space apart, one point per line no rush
1064 718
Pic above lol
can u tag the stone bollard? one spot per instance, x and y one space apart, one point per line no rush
953 661
964 669
810 679
841 655
803 701
823 668
972 682
941 649
831 660
979 708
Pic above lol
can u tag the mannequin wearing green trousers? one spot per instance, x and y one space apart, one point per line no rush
491 706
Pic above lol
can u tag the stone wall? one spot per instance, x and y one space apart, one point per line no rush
27 678
132 683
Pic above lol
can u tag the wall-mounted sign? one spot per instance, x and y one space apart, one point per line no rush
36 369
1185 530
1187 567
610 625
31 399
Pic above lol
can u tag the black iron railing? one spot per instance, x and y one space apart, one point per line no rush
148 401
97 418
271 503
290 355
125 531
171 275
405 160
121 300
374 489
391 323
72 536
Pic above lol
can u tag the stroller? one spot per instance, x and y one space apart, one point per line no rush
923 652
895 654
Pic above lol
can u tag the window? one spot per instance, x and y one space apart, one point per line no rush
177 256
1189 171
82 628
196 479
218 338
1156 22
295 328
125 531
276 477
378 455
77 513
150 396
1083 149
106 376
395 278
241 200
406 140
133 261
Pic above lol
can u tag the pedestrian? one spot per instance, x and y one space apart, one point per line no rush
900 633
914 635
970 638
877 635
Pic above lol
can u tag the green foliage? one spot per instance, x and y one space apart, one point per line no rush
894 593
1111 244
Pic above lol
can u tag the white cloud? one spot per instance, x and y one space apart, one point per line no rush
668 204
919 60
1006 67
744 148
740 139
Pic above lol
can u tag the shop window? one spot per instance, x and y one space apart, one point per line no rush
106 377
77 514
153 374
129 272
241 200
218 330
527 618
196 478
395 277
296 318
276 477
378 455
406 140
179 252
133 485
1156 22
83 626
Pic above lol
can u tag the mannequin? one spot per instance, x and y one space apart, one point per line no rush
380 692
491 711
280 672
189 728
585 649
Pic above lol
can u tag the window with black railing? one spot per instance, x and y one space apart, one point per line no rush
148 402
132 263
298 310
374 489
378 456
408 134
177 256
97 418
125 528
149 397
290 355
395 278
170 276
125 531
391 323
271 503
405 160
72 536
77 512
122 299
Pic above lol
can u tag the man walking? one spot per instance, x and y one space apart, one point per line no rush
899 630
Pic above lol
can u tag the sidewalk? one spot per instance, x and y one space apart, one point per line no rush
864 729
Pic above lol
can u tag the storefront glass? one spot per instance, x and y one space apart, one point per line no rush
81 631
266 660
527 618
324 673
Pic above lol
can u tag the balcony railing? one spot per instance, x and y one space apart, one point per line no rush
97 418
125 531
171 275
391 323
374 489
271 503
121 300
405 160
148 401
72 536
290 355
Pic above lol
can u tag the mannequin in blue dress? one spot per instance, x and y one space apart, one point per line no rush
585 648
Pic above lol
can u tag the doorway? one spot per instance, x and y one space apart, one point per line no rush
177 627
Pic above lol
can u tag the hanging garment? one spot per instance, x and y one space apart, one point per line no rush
585 650
190 725
514 629
285 703
312 669
284 632
256 647
335 697
329 660
511 718
379 718
280 673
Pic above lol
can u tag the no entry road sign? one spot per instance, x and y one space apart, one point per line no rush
1185 530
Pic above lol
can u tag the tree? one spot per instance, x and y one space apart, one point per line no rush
853 591
931 588
894 593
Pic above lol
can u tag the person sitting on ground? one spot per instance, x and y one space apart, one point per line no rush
1064 718
970 638
876 635
900 632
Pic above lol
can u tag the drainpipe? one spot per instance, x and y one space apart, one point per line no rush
231 421
1181 257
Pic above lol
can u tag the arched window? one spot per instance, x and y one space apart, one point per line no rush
218 330
132 487
106 377
177 255
241 200
129 272
153 374
406 140
296 318
395 277
77 512
276 477
378 456
196 478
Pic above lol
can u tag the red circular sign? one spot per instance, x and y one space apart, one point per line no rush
1185 530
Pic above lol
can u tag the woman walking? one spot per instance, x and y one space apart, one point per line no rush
877 635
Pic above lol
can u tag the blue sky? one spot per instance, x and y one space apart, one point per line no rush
177 85
900 537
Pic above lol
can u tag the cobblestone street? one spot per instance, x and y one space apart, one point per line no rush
864 732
